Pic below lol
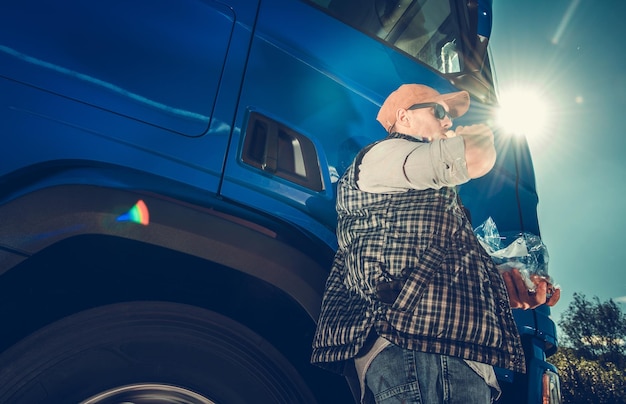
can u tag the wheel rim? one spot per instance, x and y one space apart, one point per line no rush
144 393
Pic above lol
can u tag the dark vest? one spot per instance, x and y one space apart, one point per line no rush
410 268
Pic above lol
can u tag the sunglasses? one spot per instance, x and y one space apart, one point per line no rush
438 109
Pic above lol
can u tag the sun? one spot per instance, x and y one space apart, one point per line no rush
523 111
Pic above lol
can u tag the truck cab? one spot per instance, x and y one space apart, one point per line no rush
167 187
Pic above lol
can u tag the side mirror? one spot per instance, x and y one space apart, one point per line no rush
476 75
484 18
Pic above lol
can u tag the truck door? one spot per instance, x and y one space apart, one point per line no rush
295 117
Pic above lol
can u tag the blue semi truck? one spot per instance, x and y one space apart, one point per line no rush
167 187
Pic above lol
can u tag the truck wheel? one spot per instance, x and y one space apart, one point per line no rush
144 352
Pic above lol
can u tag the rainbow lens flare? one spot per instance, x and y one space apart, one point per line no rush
137 214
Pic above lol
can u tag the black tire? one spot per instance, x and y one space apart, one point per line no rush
159 349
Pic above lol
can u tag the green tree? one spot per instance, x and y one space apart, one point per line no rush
596 330
585 381
592 357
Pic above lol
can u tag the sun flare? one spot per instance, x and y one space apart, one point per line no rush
523 111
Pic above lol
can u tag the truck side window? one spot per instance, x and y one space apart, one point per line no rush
280 151
424 29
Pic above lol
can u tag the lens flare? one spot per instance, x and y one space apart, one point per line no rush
137 214
523 112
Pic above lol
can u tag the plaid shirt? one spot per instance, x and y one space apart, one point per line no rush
409 267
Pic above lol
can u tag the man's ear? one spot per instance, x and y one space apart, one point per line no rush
401 116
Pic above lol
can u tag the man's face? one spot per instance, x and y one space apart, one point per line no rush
423 122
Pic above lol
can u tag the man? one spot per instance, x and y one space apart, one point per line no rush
413 301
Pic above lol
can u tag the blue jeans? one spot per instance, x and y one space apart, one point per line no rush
400 376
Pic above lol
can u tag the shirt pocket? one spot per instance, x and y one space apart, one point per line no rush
419 277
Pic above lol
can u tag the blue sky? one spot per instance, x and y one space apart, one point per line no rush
572 53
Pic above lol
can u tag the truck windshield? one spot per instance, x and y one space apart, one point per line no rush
428 30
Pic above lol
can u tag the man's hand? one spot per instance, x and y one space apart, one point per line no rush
480 153
521 298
